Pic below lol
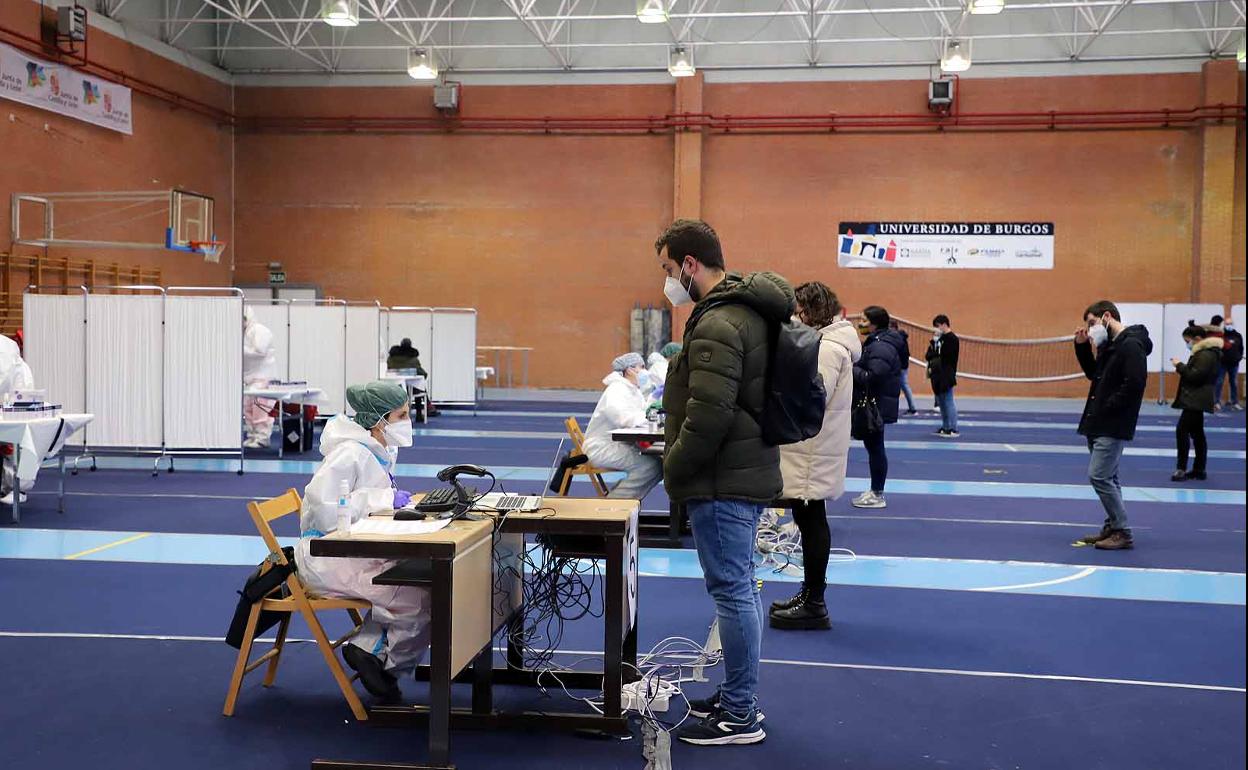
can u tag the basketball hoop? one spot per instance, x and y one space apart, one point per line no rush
210 249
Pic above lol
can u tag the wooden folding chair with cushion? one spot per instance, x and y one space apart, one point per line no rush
262 514
584 469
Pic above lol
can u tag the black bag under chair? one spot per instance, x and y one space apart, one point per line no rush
260 584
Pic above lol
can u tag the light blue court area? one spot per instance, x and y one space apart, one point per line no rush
871 571
852 484
1053 449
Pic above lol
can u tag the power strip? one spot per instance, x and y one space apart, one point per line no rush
654 692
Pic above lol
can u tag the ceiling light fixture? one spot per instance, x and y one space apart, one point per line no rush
680 62
954 59
421 65
341 13
987 7
651 11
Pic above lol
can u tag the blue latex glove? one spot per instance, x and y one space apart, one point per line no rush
401 498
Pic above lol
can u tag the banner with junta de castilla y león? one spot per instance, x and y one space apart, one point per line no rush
64 90
946 245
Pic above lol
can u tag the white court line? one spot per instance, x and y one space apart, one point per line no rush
770 661
1077 576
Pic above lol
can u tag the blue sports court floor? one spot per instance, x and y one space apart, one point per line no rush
968 632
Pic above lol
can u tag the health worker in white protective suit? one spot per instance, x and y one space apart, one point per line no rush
623 405
259 366
658 362
362 451
14 376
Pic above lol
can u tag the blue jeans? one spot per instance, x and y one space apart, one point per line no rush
1103 473
905 389
948 410
1223 373
724 532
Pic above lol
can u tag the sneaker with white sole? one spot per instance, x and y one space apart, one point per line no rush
869 499
701 708
722 728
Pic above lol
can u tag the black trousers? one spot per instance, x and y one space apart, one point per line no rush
1191 430
811 517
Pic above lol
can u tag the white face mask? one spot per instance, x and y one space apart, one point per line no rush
676 292
1098 335
1228 326
1189 345
398 433
643 380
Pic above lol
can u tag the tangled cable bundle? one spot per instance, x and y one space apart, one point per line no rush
780 544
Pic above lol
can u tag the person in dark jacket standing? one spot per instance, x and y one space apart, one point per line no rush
880 364
1118 373
905 369
716 462
942 370
1232 356
1195 397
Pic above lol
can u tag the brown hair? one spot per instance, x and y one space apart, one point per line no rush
819 304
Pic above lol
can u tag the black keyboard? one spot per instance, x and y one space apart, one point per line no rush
442 499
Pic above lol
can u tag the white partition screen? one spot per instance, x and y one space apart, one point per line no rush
276 318
124 370
1152 316
318 350
453 365
1176 317
415 324
203 372
56 348
1237 315
363 343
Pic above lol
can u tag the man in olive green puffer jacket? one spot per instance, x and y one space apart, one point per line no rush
716 462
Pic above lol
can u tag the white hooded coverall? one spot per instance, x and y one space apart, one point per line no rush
397 627
622 405
259 366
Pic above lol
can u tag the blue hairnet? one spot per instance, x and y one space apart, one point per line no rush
375 400
628 361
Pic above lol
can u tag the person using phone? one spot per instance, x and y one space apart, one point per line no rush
358 471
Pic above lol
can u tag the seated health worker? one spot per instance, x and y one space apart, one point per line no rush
623 405
362 451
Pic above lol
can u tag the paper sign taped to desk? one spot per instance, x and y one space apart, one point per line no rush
388 526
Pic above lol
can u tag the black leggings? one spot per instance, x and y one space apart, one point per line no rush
1191 430
811 518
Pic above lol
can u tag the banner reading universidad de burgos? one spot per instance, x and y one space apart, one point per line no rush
947 245
64 90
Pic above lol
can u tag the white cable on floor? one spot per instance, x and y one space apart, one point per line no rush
780 543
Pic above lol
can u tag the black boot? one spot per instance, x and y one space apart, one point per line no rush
810 615
793 601
373 674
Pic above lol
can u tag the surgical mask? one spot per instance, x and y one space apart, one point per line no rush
398 433
643 380
1098 335
676 292
1228 326
1189 345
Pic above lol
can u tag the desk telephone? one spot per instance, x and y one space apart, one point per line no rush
446 502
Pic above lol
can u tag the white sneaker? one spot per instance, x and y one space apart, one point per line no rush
869 499
8 498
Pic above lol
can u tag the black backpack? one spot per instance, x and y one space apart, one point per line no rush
794 396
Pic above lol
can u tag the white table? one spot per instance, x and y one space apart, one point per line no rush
283 395
34 441
417 386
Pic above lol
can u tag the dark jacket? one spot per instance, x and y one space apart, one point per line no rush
1233 349
405 358
1119 374
1197 375
715 449
905 352
881 360
942 362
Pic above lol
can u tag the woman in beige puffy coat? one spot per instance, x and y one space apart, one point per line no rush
814 470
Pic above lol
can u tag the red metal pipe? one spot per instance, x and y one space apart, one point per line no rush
34 47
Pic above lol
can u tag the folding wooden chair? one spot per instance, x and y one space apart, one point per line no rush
262 514
585 468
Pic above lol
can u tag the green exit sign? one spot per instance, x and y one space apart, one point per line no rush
277 276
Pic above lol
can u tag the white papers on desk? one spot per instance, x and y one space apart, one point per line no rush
388 526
